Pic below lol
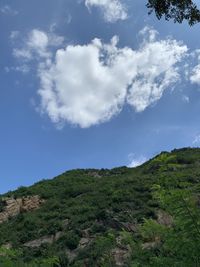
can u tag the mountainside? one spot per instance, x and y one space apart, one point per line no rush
95 217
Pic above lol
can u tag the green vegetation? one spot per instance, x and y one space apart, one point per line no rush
146 216
2 205
177 244
177 10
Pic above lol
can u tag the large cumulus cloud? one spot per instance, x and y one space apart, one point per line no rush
88 84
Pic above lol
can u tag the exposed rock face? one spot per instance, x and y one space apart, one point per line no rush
130 227
94 174
43 240
84 242
14 207
120 255
31 203
164 218
71 255
38 242
150 245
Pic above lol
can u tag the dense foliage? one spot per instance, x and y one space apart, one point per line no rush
113 211
177 10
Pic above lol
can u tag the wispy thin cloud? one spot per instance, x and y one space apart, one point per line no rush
113 10
196 140
7 10
136 161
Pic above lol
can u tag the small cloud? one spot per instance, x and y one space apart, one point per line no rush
113 10
37 44
136 161
55 40
186 99
23 69
196 140
22 53
53 27
7 10
68 18
14 35
7 69
194 74
195 77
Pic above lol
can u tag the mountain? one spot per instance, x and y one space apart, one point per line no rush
102 217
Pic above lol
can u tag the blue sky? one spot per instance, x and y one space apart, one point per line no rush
92 84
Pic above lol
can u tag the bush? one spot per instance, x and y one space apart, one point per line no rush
69 240
2 205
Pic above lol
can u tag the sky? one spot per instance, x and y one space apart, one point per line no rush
92 84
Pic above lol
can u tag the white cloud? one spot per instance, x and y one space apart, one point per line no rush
135 162
195 77
37 44
80 88
38 41
113 10
89 84
68 18
186 99
14 35
22 53
194 73
196 140
22 68
156 70
7 10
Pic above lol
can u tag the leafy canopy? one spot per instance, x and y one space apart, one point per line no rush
177 10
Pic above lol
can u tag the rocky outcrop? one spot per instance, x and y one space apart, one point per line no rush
43 240
94 174
152 244
129 227
38 242
50 239
71 254
31 203
84 242
14 207
164 218
120 255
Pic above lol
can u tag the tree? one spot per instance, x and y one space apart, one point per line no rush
175 245
177 10
179 245
13 258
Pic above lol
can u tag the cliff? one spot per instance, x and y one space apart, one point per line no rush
13 207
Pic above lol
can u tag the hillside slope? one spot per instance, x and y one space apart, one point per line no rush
82 216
